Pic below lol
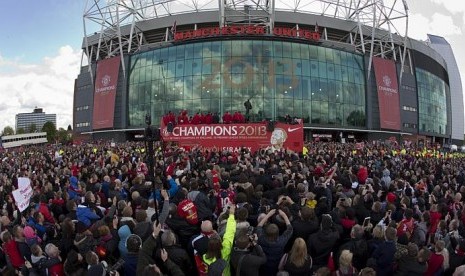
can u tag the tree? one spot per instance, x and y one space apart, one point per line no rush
32 128
51 130
63 136
8 131
20 131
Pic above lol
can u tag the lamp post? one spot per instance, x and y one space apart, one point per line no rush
151 135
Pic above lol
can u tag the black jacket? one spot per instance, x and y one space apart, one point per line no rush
320 245
130 264
180 257
409 266
24 250
304 270
250 263
358 247
303 229
183 229
145 258
204 204
143 229
455 260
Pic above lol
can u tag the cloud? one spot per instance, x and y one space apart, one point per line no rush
451 6
49 85
419 26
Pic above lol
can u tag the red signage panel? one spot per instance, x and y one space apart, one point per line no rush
105 92
233 137
246 30
388 93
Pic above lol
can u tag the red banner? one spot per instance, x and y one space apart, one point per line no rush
246 30
105 93
233 137
388 93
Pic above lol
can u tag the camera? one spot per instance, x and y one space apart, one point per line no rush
117 266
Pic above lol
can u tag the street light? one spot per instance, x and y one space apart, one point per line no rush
151 135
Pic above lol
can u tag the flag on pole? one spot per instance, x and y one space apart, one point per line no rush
316 27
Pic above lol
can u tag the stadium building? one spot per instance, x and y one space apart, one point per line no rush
347 68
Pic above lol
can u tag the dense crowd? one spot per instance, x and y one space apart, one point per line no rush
333 209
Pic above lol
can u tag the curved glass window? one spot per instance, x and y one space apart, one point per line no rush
432 103
321 85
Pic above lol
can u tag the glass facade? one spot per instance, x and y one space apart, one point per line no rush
323 86
432 102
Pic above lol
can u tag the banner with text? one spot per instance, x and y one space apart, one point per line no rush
233 137
105 92
388 93
23 194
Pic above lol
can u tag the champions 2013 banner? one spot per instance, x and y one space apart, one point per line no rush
388 93
234 137
105 93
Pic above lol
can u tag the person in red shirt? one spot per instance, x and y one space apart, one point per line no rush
171 118
241 117
227 118
141 167
184 117
196 119
407 224
75 169
202 118
43 209
208 118
236 117
436 260
435 217
362 174
180 118
10 248
166 119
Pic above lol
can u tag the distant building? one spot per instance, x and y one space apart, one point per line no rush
37 118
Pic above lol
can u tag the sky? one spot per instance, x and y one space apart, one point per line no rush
40 50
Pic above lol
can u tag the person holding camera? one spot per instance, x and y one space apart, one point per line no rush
247 255
273 244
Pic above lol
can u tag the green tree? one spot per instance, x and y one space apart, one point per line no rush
20 131
63 136
51 130
32 128
8 131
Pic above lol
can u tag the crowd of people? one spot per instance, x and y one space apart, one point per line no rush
198 118
333 209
